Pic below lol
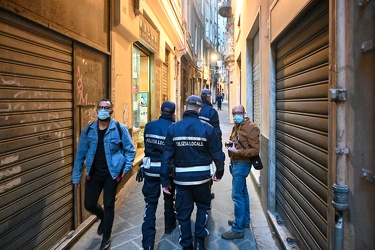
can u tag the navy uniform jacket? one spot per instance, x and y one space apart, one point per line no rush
210 115
193 145
154 137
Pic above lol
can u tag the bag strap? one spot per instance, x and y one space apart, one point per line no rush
119 129
88 129
238 139
119 132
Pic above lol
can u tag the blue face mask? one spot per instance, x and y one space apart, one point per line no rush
103 114
238 119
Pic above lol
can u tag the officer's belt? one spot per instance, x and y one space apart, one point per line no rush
152 174
186 183
192 169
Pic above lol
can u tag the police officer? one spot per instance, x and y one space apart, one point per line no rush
210 115
154 136
193 145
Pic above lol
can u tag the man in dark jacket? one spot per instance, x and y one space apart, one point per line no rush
154 137
193 145
210 115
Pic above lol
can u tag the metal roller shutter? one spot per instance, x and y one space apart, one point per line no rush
35 135
302 127
256 80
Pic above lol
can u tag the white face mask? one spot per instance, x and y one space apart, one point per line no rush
103 114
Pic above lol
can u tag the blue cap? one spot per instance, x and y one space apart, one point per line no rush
168 107
194 100
205 92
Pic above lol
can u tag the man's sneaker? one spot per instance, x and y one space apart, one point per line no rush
232 235
245 225
100 228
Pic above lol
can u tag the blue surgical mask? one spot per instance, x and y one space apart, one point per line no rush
103 114
238 119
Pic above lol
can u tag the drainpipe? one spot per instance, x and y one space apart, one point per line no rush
340 189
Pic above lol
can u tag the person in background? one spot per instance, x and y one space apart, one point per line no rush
243 143
193 145
210 115
154 137
219 100
109 154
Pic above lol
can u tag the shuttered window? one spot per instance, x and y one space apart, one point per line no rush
256 80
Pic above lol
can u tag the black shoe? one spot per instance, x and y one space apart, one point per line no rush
170 229
245 225
199 244
100 227
106 244
212 196
188 247
232 235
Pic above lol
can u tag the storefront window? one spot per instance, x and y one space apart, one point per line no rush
140 95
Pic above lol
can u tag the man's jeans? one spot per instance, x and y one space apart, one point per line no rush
240 195
92 192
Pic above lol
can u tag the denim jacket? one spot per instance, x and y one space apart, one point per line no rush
118 159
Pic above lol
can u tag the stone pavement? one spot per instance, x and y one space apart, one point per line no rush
126 232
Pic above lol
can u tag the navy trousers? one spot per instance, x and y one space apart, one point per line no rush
186 196
151 191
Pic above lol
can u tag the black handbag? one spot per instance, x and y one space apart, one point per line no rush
255 160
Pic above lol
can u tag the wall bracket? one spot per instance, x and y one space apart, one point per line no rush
368 176
368 45
337 95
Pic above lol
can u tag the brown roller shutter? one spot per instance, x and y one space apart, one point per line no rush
302 127
164 83
35 135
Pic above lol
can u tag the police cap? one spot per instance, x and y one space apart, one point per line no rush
168 107
194 100
205 93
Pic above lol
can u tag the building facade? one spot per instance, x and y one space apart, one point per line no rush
302 69
59 59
